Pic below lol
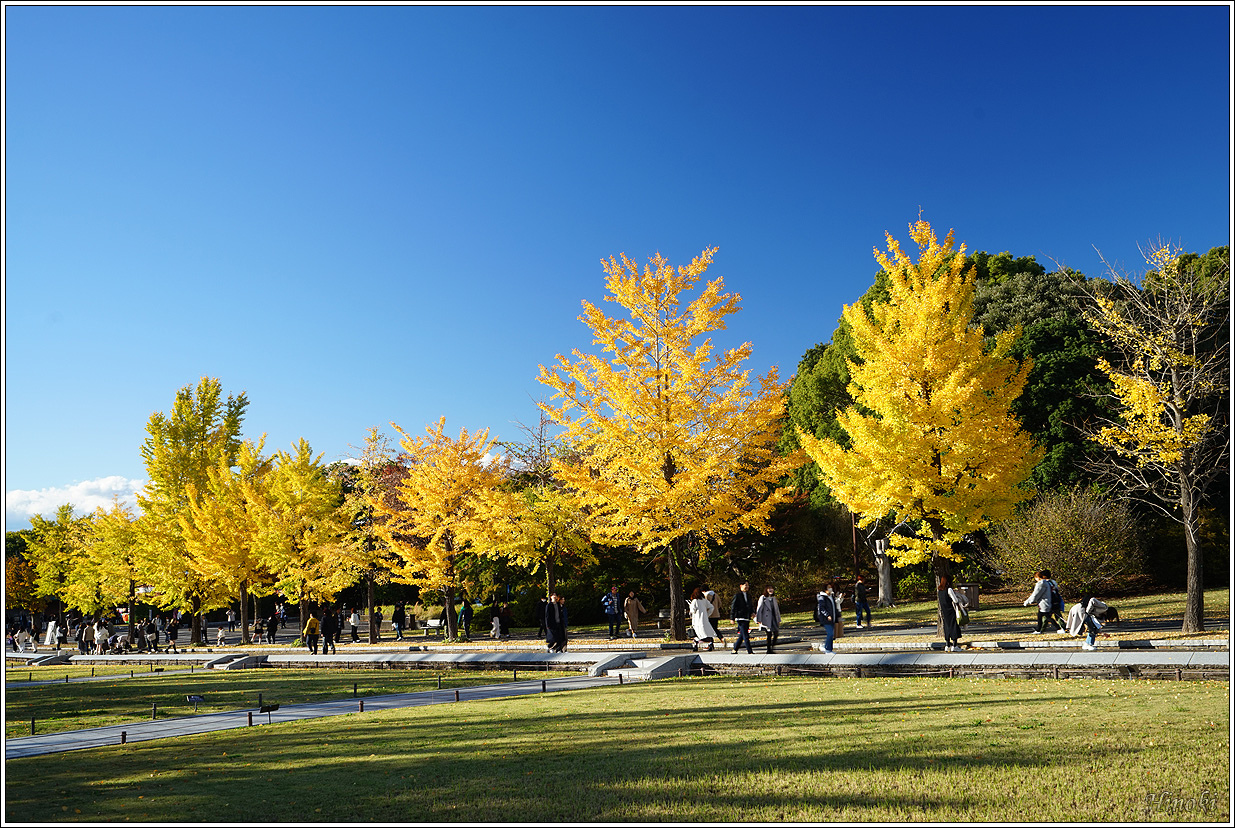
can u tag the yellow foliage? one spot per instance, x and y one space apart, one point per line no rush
1156 428
433 520
933 438
673 437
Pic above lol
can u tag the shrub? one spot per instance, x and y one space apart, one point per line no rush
913 585
1089 540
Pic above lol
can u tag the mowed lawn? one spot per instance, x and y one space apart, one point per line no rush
714 749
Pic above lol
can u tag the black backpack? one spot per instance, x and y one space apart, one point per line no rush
1056 599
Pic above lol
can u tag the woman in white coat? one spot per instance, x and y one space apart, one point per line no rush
700 609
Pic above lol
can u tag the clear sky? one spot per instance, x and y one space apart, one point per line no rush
366 215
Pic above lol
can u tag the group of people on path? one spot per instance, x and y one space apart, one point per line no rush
1083 617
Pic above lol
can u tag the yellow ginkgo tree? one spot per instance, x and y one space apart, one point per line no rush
933 440
671 439
1170 382
429 523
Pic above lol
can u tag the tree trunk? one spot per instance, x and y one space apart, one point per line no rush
195 636
244 613
857 546
1194 605
452 622
677 601
370 594
550 576
883 566
942 566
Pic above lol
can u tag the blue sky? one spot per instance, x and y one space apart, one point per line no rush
365 215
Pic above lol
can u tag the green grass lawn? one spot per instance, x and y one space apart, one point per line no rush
59 707
710 749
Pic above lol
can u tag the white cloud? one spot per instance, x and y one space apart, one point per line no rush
86 496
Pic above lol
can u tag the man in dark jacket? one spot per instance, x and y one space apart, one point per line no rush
330 630
742 609
555 624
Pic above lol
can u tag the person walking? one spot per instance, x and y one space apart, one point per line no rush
827 611
377 623
466 613
555 623
612 605
173 632
311 632
767 613
330 630
1057 605
1041 596
860 602
354 622
951 603
741 610
633 607
397 619
700 608
541 607
714 615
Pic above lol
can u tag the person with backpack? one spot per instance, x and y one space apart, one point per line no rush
1041 596
1057 605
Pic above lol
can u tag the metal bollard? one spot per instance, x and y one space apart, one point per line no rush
542 686
439 682
362 705
124 736
154 712
66 679
353 688
250 718
516 672
619 679
456 695
32 727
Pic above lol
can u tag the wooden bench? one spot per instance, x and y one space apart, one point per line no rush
435 626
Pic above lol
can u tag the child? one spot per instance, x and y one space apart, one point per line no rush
221 638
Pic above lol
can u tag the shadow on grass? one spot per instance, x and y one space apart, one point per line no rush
676 750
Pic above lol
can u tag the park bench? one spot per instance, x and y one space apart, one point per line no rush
434 625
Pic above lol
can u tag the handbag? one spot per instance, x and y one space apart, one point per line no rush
962 616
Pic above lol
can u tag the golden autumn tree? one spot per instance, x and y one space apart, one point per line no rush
429 524
933 440
1170 438
301 528
117 557
673 440
533 520
361 549
220 529
181 448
